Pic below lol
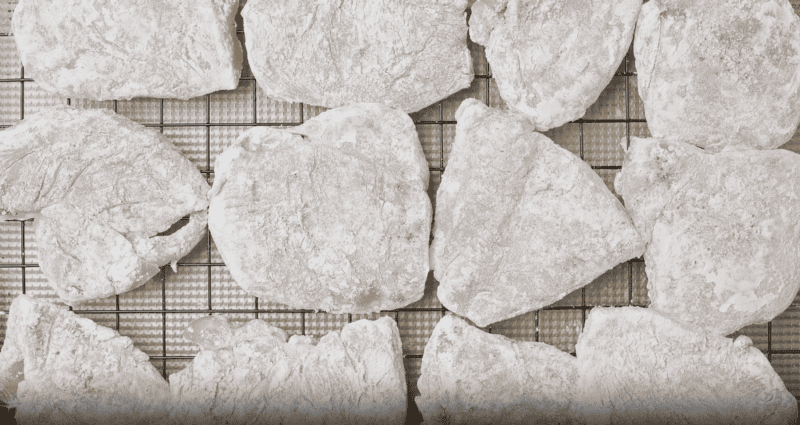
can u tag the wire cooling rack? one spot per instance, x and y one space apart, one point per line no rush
155 315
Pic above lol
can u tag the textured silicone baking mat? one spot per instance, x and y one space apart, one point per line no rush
155 315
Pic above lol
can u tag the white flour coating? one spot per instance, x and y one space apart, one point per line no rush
251 374
552 58
101 188
723 230
473 377
720 74
637 366
520 221
120 49
76 372
331 215
406 54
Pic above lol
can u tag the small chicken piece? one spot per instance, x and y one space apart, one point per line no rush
56 367
552 58
637 366
101 189
473 377
520 221
330 215
121 49
250 374
722 230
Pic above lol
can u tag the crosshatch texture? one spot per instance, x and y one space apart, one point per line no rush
156 314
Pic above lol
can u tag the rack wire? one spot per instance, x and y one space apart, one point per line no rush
155 315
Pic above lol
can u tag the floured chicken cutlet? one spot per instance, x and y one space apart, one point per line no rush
637 366
520 222
406 54
720 74
101 188
473 377
722 230
58 368
121 49
330 215
251 374
552 58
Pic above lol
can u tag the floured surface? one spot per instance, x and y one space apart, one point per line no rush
473 377
406 54
76 372
722 230
119 49
352 376
330 215
553 58
100 187
637 366
520 221
720 74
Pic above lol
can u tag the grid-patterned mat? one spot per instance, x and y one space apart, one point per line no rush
155 315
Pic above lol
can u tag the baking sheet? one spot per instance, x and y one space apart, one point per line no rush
155 315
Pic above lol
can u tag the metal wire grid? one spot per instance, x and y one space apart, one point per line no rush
559 324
